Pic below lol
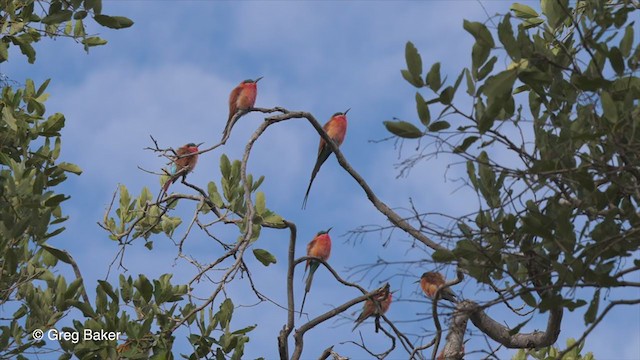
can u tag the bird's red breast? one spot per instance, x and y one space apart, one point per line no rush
430 282
384 299
188 162
336 128
246 95
319 247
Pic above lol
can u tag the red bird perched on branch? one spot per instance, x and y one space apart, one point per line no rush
376 306
431 281
336 128
242 98
182 163
319 247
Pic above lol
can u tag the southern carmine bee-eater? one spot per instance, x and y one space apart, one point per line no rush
319 247
182 164
242 98
336 128
431 281
376 306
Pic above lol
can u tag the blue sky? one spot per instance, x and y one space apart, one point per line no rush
170 75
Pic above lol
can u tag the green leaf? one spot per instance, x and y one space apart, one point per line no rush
507 38
531 23
42 88
555 11
57 17
214 195
244 330
570 305
108 289
225 166
260 203
498 89
225 313
471 86
446 96
59 254
144 287
523 11
72 168
443 256
79 15
439 125
592 311
479 32
7 116
479 54
423 110
417 82
55 200
94 41
96 5
487 68
403 129
609 107
465 144
274 220
414 61
264 257
4 51
433 77
78 29
113 22
529 299
28 51
626 43
471 173
517 328
86 309
617 62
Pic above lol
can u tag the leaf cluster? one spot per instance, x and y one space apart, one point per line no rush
562 212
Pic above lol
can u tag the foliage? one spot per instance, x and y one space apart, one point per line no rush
551 148
26 22
30 215
552 352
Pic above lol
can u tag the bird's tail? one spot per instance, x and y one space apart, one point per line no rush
309 279
164 188
167 183
307 287
306 195
448 295
304 298
322 157
359 321
231 121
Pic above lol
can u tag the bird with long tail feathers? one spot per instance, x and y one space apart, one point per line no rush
376 306
319 247
242 98
431 281
181 164
336 128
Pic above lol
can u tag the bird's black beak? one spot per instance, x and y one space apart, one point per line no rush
258 79
345 113
329 229
199 144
